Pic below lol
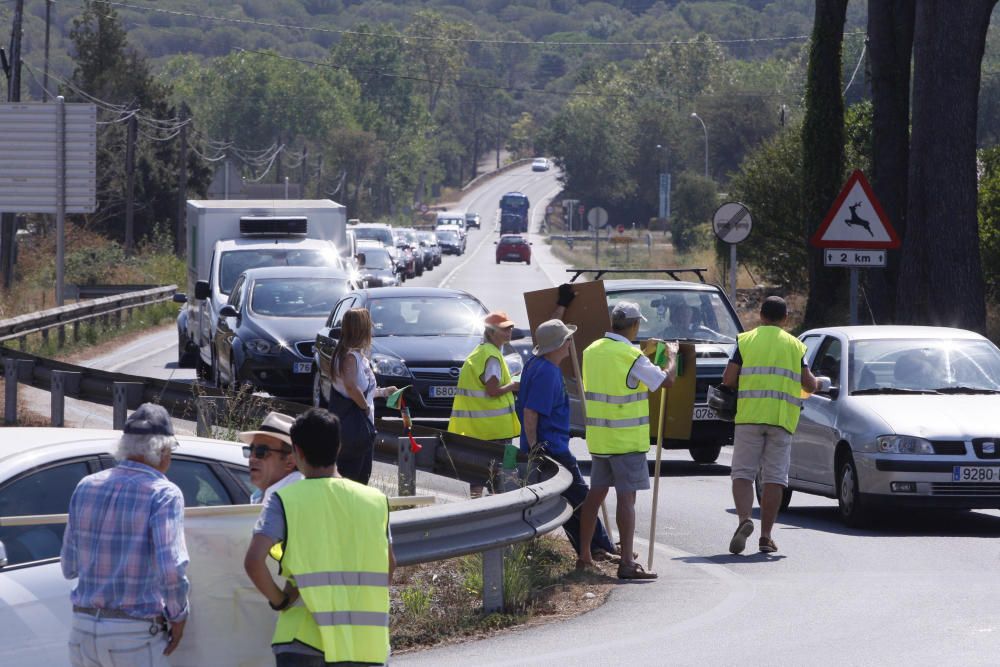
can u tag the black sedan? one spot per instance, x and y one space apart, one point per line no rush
376 266
267 329
421 338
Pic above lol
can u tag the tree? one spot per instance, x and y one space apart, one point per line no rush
941 279
989 218
694 201
823 150
890 32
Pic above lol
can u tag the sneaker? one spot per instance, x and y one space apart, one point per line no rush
767 545
739 541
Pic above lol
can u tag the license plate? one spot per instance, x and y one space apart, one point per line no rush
975 474
302 367
703 413
513 256
443 392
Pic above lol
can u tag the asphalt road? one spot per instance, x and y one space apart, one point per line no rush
917 589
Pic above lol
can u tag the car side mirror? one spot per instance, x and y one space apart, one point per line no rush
361 258
518 334
228 311
179 297
201 290
3 555
336 332
530 243
825 387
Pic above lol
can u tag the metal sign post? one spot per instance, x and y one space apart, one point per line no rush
732 224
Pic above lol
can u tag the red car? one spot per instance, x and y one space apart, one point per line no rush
513 248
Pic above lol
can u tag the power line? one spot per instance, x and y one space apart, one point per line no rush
462 40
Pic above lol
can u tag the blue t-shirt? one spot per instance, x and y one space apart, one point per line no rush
543 391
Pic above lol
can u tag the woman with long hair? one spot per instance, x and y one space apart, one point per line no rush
353 395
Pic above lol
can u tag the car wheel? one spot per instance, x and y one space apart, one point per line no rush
184 357
705 454
201 370
498 261
758 489
528 262
319 401
852 509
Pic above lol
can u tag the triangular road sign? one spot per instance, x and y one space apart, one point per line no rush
856 220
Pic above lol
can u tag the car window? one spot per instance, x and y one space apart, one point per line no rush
811 342
827 360
708 317
242 475
45 491
236 296
198 482
337 316
296 297
235 262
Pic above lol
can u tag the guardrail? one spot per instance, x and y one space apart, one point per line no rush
485 525
18 328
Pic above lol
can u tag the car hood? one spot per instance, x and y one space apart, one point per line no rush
932 416
438 350
285 329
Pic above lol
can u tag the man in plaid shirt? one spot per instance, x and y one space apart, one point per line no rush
124 542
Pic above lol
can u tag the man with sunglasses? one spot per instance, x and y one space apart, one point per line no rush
269 449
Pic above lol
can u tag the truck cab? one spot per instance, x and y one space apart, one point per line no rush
688 312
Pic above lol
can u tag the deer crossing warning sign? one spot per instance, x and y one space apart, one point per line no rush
856 221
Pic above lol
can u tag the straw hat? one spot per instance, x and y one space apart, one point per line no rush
275 424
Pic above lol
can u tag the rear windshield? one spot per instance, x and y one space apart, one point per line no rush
235 262
381 234
376 258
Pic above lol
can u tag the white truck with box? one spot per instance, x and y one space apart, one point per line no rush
226 237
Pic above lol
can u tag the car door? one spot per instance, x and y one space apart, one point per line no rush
811 342
325 342
226 330
815 439
35 613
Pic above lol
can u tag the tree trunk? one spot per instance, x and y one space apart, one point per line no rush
941 280
823 152
890 43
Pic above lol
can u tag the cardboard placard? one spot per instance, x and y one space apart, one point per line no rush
588 311
680 397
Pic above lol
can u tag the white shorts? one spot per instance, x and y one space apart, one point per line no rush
764 448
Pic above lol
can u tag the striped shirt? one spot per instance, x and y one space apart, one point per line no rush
125 542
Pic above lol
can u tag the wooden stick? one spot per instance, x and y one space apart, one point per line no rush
656 476
583 407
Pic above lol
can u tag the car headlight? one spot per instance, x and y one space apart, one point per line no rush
514 364
391 366
904 444
262 346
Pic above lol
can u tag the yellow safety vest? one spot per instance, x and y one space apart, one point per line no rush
770 378
617 415
338 551
475 413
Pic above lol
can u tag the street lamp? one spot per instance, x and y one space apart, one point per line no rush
696 116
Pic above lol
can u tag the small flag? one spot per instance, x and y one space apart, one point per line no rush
393 400
660 358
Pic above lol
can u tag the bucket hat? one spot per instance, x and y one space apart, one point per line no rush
550 335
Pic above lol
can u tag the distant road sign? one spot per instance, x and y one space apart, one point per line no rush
29 157
597 216
853 258
732 223
581 209
856 220
621 229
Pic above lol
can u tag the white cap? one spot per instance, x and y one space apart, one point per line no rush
627 310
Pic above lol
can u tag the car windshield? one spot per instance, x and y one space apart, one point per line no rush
427 316
512 240
376 258
682 315
381 234
235 262
448 236
427 237
934 365
296 297
458 222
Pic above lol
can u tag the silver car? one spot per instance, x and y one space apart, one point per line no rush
911 418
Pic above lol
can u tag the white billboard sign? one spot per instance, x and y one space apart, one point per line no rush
29 159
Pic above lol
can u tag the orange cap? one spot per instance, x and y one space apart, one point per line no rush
498 319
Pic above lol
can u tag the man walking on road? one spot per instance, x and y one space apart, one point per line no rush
616 380
269 450
770 372
337 552
124 540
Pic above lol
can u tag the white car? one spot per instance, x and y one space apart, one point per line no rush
911 418
39 469
540 164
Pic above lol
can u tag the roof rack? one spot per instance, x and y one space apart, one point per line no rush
673 273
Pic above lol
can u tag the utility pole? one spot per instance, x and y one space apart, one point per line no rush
319 177
7 219
133 126
180 240
305 173
45 71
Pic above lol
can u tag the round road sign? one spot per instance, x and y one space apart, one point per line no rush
597 216
732 223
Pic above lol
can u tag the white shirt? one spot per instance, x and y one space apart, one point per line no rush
364 379
643 370
492 370
291 477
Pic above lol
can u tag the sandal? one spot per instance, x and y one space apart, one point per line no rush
634 571
767 545
605 556
587 566
739 541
